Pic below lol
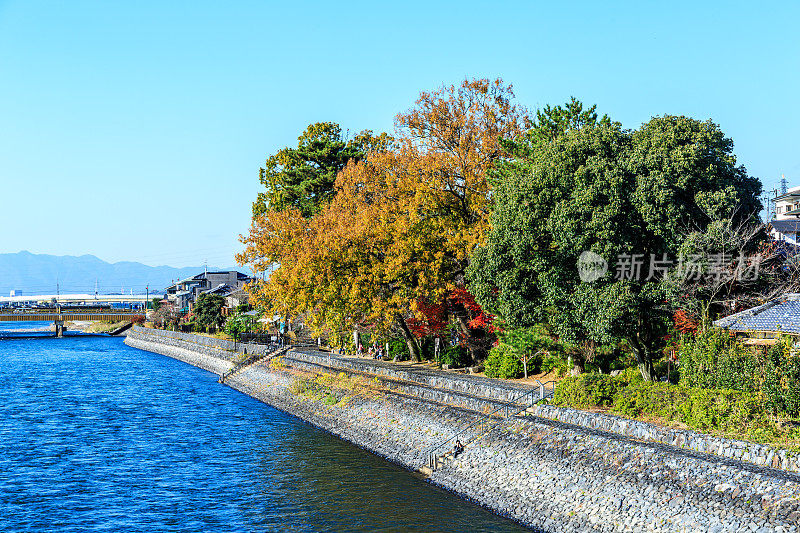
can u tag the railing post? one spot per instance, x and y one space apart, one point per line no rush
541 391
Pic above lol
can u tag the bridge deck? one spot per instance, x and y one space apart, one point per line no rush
52 317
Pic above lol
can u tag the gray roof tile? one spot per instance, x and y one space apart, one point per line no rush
781 314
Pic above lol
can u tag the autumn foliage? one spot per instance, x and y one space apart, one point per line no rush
685 322
391 246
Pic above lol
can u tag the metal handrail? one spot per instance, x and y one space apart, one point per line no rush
250 360
431 452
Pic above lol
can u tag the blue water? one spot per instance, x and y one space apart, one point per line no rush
97 436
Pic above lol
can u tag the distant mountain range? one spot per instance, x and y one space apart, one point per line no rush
44 274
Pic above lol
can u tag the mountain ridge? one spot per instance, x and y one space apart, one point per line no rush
46 274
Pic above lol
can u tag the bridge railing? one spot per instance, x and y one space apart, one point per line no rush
66 315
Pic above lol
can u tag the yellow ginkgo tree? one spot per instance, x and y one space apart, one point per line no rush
401 225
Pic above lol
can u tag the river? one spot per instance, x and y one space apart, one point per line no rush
98 436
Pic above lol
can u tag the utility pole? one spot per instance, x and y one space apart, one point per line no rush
768 199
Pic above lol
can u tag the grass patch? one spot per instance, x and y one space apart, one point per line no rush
104 326
330 389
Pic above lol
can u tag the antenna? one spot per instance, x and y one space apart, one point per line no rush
783 184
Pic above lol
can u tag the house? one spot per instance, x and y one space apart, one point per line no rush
786 224
785 230
787 205
236 298
184 293
764 324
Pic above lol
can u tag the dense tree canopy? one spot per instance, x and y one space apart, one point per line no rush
566 219
208 310
402 222
686 177
578 186
303 177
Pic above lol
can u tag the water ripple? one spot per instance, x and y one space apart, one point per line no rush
97 436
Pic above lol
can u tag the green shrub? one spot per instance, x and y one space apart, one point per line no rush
586 390
554 361
641 398
398 348
502 363
715 359
721 410
544 353
456 357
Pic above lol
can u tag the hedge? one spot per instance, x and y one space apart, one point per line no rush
716 360
723 410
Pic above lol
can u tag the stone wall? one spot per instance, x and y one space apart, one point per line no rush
206 357
176 338
422 391
547 474
465 390
483 394
454 381
733 449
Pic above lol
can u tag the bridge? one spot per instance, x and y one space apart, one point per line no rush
76 298
58 317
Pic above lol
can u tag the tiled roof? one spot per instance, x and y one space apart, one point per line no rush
219 289
204 275
781 314
785 226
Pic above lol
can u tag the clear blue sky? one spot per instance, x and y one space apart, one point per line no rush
135 130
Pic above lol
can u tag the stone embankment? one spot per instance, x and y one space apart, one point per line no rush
545 473
193 349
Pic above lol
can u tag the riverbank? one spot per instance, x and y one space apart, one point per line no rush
547 474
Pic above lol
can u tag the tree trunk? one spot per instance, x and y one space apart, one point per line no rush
646 369
576 362
411 340
475 346
644 359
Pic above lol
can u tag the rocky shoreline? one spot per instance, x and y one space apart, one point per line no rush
546 474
